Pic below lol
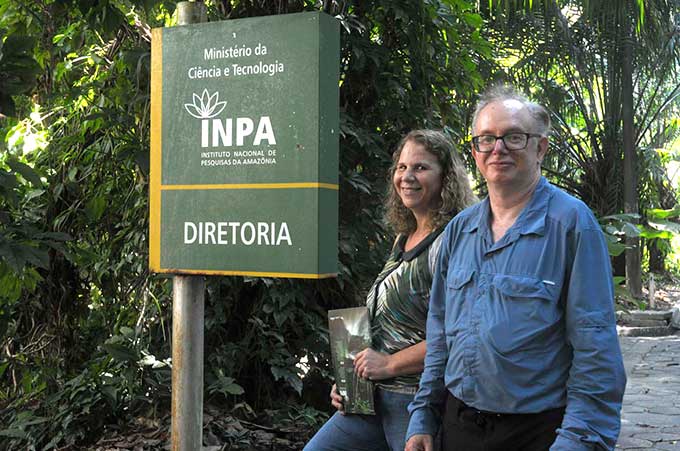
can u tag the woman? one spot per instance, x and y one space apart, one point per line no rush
428 187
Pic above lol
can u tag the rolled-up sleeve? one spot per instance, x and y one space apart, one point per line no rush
597 377
427 405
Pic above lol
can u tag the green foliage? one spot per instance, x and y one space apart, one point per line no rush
119 377
73 233
18 69
616 228
658 227
224 385
660 224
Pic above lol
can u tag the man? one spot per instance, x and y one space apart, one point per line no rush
522 351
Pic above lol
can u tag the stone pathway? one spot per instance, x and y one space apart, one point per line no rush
651 406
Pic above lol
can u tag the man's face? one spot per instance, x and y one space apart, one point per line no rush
502 168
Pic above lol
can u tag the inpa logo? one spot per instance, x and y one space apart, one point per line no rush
216 132
206 106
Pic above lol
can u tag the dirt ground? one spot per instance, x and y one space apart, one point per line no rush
221 432
666 290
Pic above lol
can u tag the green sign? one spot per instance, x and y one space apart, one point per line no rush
244 147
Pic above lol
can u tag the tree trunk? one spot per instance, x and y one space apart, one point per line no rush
657 258
630 197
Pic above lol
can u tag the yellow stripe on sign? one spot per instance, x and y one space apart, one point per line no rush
210 272
252 186
156 149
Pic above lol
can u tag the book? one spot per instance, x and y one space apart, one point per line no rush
350 333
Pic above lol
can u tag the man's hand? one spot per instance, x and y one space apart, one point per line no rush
372 365
336 400
420 442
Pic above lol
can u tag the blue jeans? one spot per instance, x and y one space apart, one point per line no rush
384 431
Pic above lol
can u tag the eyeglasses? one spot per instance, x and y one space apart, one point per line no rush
511 141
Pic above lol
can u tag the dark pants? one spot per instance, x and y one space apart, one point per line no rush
464 428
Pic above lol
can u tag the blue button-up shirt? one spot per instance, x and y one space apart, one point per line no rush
526 323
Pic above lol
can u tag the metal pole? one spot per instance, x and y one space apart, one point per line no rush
187 362
188 297
191 12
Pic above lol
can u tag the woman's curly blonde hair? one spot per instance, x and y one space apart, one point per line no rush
456 194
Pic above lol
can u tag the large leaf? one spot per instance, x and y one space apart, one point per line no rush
120 351
288 376
656 213
26 171
18 70
667 226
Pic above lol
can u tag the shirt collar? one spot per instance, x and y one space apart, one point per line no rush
480 217
402 254
532 218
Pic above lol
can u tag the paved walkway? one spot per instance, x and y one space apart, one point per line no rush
651 405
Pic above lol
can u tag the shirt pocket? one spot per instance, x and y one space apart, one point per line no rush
458 291
525 313
523 288
457 278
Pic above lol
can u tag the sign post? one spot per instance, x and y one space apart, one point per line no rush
188 294
244 167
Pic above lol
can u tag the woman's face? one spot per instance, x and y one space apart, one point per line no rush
418 179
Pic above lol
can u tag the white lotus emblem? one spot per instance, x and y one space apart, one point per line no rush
205 106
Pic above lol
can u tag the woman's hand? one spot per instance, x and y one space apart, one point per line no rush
336 399
372 365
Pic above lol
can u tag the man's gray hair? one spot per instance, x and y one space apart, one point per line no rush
501 92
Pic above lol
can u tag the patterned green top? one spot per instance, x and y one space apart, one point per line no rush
398 301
